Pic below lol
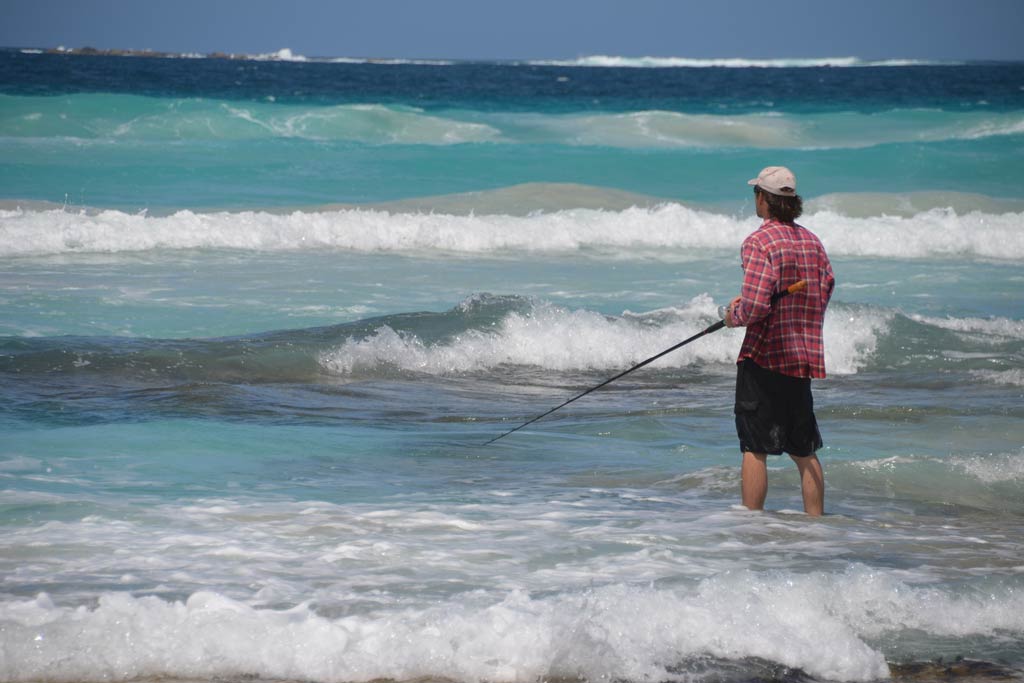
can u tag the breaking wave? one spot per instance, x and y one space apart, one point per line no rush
832 626
668 231
561 340
730 62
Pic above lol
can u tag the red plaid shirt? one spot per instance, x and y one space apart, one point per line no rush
784 336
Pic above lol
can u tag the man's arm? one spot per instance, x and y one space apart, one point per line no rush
759 282
829 282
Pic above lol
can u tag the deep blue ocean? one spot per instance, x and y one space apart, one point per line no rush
259 316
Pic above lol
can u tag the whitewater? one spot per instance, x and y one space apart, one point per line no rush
668 231
258 317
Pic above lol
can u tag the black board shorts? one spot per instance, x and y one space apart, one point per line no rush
774 412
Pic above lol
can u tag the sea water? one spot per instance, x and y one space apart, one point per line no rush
260 317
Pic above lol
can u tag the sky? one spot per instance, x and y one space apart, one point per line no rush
529 29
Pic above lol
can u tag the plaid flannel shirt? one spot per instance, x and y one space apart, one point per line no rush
785 336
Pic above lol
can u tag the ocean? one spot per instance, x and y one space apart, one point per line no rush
258 318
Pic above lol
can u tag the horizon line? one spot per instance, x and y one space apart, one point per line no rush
583 61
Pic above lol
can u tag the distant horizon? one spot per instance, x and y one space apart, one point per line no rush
465 30
594 60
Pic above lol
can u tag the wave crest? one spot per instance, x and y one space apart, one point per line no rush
610 61
560 340
820 624
668 231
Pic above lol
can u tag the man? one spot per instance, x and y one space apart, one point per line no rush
783 347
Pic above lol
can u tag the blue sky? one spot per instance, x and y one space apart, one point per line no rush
516 29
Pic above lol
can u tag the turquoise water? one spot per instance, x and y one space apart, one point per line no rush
170 153
259 319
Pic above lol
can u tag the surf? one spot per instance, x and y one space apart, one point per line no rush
668 231
611 61
486 333
630 632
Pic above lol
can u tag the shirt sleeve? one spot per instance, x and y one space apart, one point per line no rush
759 281
828 283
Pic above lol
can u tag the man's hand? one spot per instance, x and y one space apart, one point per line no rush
728 312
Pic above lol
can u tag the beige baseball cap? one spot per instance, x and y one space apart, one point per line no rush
777 180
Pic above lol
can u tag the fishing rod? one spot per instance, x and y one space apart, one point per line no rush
792 289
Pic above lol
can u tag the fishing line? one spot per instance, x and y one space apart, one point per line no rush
792 289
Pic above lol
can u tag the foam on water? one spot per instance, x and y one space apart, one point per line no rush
729 63
851 336
1013 378
284 54
667 231
557 339
978 481
550 337
650 62
996 329
909 204
830 626
486 333
933 233
994 468
198 499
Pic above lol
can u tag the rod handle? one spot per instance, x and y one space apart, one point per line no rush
798 286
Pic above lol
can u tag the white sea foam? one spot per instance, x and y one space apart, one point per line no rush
668 231
729 62
851 337
995 327
282 55
935 478
991 128
390 61
937 232
286 55
993 468
554 338
909 204
1012 378
549 337
820 623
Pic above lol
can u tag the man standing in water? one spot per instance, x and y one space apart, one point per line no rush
783 347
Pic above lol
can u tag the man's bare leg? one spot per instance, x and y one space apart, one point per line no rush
754 476
812 484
